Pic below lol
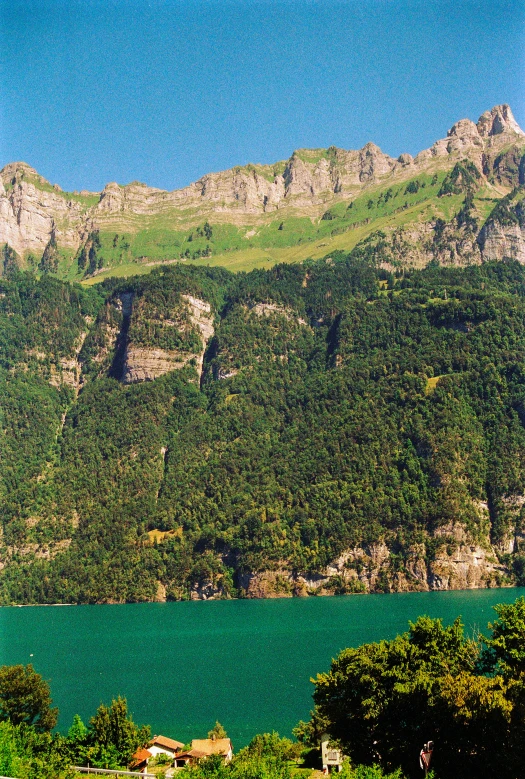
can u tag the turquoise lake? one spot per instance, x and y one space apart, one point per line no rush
182 666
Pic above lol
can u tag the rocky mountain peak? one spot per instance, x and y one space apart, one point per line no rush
18 171
30 205
465 127
497 121
111 198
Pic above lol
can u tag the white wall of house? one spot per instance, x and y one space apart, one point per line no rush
330 756
156 750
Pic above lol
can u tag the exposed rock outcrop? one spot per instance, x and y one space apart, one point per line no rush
268 309
499 121
499 242
202 318
458 564
503 234
31 208
207 590
145 362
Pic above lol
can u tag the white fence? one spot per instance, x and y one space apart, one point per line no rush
106 771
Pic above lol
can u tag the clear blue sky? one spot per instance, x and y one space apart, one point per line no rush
167 90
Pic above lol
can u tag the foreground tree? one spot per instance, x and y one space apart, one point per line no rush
113 734
506 646
382 701
25 698
218 731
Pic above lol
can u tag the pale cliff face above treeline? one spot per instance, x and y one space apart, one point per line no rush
317 201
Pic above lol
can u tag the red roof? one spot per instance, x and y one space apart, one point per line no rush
141 756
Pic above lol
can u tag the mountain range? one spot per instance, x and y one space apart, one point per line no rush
345 415
253 216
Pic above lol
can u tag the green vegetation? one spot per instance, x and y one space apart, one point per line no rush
242 234
25 698
510 210
382 701
316 425
464 177
292 239
109 741
153 240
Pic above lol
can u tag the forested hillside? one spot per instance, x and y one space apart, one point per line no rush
326 427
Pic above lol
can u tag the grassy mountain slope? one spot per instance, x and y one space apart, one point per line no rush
317 202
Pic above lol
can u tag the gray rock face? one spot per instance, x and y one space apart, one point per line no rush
30 208
504 237
500 242
498 121
460 564
145 363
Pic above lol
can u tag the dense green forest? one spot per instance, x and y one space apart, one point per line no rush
379 703
340 409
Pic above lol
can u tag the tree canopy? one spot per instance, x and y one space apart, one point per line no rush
25 698
382 701
339 405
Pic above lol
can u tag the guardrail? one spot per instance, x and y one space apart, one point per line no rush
82 769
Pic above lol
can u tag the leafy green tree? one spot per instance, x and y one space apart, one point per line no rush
10 759
272 744
25 698
114 734
27 754
78 731
10 260
217 731
507 643
49 260
382 701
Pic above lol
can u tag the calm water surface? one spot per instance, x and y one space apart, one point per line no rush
182 666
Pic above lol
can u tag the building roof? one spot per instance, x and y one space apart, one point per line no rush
190 753
140 756
164 741
210 746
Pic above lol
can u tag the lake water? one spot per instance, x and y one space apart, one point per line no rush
182 666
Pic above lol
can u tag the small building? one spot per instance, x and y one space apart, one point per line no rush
205 747
140 760
331 757
162 745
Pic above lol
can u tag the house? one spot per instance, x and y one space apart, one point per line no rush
331 757
161 745
205 747
140 760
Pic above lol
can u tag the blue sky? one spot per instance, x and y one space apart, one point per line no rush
168 90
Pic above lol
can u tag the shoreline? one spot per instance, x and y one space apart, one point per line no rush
506 586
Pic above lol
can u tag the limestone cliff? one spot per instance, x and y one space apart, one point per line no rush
459 563
146 362
32 210
503 234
